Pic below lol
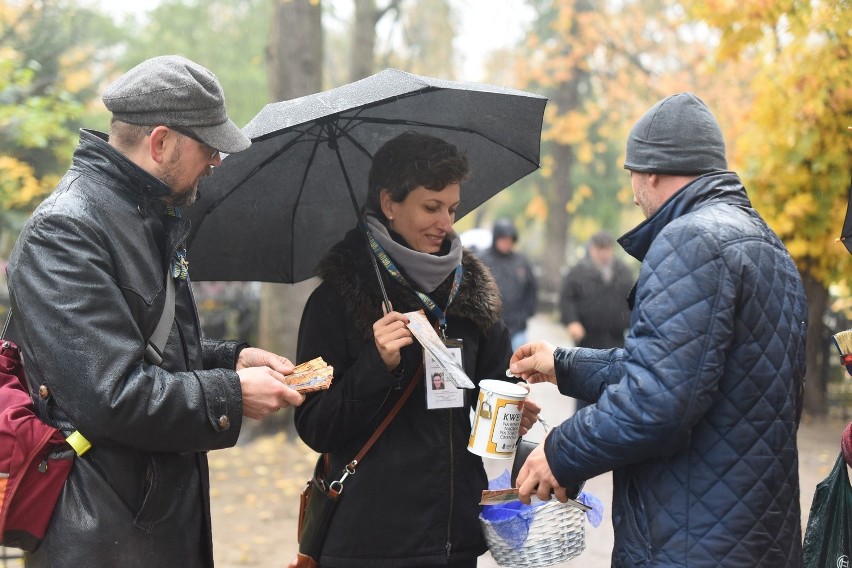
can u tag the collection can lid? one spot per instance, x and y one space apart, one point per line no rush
503 387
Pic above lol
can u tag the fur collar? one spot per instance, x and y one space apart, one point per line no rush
348 270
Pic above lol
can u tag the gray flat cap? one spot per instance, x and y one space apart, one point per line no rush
678 135
174 91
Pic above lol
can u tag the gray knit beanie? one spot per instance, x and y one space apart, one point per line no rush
176 92
678 135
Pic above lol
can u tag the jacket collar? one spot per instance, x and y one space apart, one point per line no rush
348 269
708 189
95 156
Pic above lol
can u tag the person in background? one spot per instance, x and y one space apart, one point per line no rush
515 279
697 415
415 498
593 299
87 284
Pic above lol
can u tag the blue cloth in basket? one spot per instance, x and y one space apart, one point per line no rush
512 520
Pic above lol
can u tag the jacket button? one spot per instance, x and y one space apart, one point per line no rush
43 392
224 422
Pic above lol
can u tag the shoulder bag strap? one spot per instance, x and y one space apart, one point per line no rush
369 444
336 487
157 341
6 325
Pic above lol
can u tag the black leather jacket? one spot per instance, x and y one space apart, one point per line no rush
87 286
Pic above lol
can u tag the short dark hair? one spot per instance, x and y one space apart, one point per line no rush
602 239
411 160
125 136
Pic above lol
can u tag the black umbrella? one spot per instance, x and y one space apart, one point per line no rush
271 213
846 233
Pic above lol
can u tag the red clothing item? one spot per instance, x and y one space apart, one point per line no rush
846 444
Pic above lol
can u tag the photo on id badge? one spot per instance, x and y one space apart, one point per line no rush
440 392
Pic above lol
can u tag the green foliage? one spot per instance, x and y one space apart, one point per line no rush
227 36
48 59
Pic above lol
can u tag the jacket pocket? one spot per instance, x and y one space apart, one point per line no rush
150 503
634 529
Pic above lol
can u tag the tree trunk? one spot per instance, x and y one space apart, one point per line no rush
816 404
295 69
294 60
362 52
295 52
557 226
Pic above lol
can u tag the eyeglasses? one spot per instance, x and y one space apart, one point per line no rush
214 152
188 134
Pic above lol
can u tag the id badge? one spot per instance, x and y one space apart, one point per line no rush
440 392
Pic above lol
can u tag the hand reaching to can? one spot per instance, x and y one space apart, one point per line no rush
534 362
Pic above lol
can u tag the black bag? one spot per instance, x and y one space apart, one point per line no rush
828 536
317 503
320 497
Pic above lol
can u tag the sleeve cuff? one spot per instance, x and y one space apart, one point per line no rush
563 358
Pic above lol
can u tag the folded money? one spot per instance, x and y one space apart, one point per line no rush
310 376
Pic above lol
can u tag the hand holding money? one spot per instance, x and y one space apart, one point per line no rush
310 376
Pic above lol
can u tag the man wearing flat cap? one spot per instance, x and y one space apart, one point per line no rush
697 415
92 274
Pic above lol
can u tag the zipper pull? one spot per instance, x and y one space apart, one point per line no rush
449 548
42 467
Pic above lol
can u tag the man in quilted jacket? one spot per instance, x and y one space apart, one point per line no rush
697 415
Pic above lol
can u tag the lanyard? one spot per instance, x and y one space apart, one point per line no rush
180 266
430 305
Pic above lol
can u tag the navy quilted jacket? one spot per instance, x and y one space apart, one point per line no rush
697 415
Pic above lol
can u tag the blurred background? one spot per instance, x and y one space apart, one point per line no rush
776 74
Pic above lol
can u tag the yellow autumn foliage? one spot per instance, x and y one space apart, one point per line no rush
536 208
793 145
19 186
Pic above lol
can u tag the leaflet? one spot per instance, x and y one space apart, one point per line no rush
428 338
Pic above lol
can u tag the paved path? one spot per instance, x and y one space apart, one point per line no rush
819 445
255 486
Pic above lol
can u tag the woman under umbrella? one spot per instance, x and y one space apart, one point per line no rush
414 499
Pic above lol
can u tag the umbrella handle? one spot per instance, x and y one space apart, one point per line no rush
385 300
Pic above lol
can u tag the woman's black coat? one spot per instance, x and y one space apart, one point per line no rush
414 498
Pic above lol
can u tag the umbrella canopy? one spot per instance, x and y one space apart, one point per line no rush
270 213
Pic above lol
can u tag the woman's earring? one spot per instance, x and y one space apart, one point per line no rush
390 218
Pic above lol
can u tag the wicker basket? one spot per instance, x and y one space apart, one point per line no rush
557 533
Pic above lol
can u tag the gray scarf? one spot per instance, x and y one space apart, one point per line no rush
425 271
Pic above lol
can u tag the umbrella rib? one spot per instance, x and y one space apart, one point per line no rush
310 161
361 220
376 120
251 174
257 168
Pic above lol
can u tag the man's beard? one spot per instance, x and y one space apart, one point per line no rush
644 199
188 195
180 197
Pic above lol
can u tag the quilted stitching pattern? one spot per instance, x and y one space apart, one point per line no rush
699 421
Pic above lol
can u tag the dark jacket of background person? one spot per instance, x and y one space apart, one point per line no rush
697 415
600 306
139 497
414 499
515 280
